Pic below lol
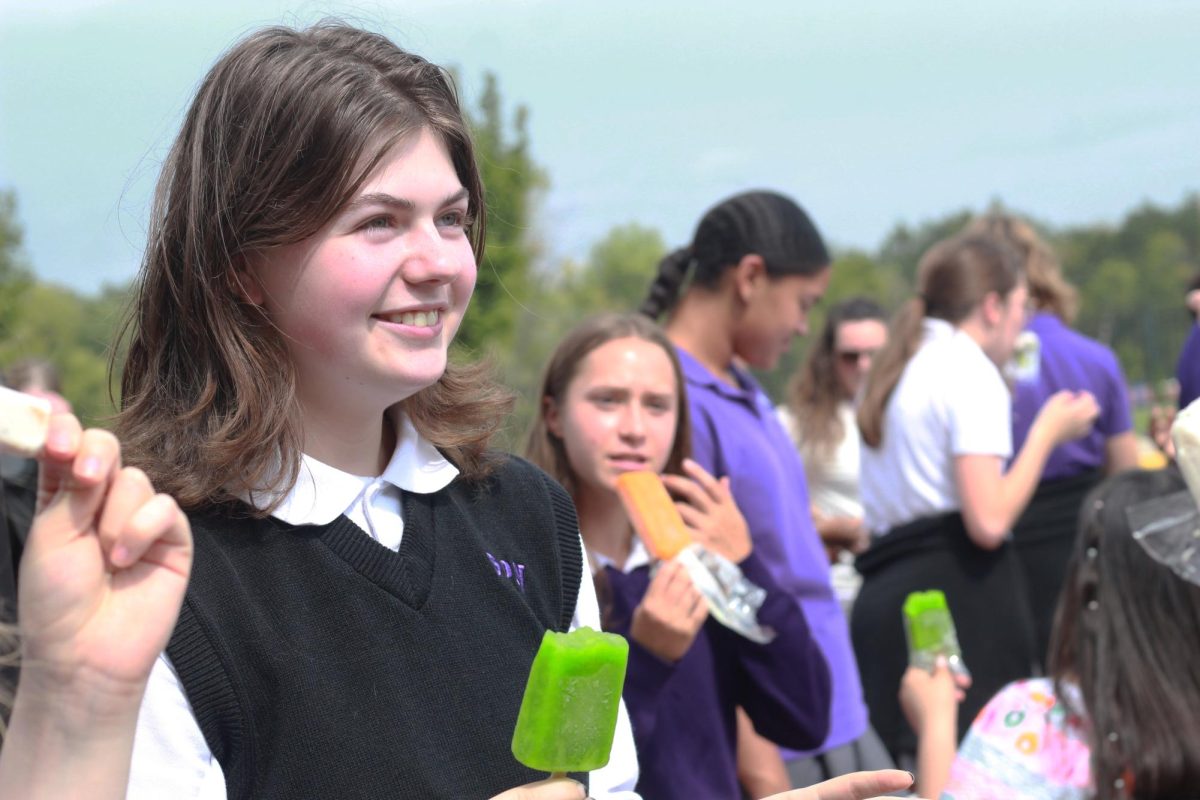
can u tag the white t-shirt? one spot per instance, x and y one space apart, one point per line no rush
951 401
170 756
832 481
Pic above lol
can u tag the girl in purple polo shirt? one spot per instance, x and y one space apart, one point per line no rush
612 401
1055 358
938 501
754 268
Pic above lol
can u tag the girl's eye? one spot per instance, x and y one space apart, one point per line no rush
454 219
376 224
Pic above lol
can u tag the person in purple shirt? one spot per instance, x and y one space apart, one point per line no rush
613 401
754 269
1187 370
1052 357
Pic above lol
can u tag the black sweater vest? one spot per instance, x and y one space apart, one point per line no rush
320 664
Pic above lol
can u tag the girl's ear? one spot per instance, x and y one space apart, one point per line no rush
992 309
749 276
550 414
246 283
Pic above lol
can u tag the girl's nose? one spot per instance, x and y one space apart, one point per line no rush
428 258
632 426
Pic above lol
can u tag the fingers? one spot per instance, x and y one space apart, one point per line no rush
674 593
129 491
553 788
74 458
158 521
62 443
687 492
855 786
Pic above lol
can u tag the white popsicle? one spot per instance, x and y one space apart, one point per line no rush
24 421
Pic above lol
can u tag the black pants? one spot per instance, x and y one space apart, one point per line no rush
986 595
1044 538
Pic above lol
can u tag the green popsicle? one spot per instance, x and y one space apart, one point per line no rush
931 632
569 713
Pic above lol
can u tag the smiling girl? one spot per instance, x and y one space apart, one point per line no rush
347 631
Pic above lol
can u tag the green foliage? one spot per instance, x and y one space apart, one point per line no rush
512 182
15 277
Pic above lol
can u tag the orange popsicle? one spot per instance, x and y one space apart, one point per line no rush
653 513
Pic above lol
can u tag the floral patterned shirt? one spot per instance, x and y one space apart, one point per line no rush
1025 744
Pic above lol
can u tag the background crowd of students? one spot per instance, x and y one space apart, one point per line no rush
277 577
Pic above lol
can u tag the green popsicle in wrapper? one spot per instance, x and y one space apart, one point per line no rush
930 632
569 713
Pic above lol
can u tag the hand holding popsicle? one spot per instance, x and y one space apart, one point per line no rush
709 511
549 789
106 566
101 581
670 615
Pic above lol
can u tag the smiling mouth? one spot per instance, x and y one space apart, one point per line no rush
413 319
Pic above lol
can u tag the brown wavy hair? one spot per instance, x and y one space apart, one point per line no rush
283 130
953 278
544 448
1048 289
1125 634
814 392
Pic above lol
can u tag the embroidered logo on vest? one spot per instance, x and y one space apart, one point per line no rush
508 570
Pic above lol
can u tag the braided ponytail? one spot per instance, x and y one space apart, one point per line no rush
664 291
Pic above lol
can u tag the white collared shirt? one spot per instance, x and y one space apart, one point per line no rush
950 401
171 757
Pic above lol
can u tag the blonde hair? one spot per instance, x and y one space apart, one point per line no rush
1048 289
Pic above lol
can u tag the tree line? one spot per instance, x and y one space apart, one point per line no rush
1131 277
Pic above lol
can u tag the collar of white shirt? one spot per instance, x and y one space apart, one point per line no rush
639 556
322 492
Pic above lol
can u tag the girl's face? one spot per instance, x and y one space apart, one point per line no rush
618 414
369 305
776 311
854 348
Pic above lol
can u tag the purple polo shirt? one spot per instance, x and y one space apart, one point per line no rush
1070 360
1187 371
735 433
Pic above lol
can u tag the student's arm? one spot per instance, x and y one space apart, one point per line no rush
930 703
760 766
102 579
1120 453
784 686
992 499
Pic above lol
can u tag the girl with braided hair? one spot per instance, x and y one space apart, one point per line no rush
738 295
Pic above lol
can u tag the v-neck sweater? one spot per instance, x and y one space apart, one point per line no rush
320 663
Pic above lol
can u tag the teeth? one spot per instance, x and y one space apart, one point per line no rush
416 319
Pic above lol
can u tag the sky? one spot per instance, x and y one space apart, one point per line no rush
868 112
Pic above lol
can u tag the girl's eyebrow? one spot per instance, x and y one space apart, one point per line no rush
401 203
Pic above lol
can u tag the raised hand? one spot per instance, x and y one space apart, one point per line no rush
104 571
670 615
708 509
1069 415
